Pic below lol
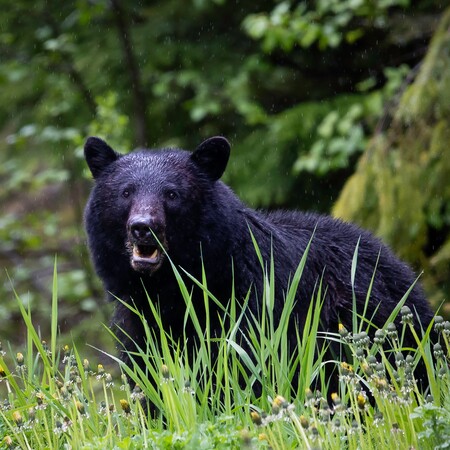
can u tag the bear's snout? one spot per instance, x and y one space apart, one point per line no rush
143 228
146 241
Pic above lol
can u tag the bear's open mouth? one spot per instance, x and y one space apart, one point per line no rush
150 253
145 257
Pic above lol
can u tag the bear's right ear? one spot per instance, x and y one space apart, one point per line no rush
98 155
212 156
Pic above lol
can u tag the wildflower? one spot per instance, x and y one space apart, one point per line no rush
74 376
429 398
2 352
46 348
392 331
442 372
20 363
246 438
67 355
361 400
319 397
381 384
336 426
314 433
378 419
109 380
165 374
102 409
100 372
406 390
310 398
187 388
65 394
31 415
410 361
40 401
8 441
81 409
335 398
396 376
396 429
256 418
137 394
125 383
344 333
277 404
87 367
437 351
438 324
395 398
69 387
2 373
367 369
399 359
447 328
379 369
66 424
380 337
325 412
18 419
361 339
359 353
406 315
6 405
125 406
355 427
347 373
408 372
263 437
304 422
58 427
338 406
372 361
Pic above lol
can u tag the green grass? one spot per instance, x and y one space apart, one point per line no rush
51 397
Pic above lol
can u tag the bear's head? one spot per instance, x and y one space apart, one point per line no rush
149 203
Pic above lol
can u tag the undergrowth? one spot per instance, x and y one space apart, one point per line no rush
254 389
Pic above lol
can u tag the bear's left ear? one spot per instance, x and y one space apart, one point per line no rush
98 155
212 156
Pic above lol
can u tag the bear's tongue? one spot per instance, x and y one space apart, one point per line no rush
147 252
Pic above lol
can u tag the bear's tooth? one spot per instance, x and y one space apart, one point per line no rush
154 254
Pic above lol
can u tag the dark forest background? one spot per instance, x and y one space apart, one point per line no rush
336 106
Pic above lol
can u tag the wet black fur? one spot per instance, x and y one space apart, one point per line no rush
208 219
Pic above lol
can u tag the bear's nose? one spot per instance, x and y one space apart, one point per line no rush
142 228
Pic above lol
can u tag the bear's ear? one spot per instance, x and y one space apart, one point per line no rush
212 156
98 155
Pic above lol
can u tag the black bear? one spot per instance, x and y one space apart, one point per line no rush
149 205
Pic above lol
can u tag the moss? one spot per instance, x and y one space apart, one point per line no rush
427 97
401 187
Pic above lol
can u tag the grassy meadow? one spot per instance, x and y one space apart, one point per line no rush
51 397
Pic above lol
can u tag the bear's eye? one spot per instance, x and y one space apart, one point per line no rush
126 193
171 195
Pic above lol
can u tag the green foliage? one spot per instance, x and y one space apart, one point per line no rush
405 166
436 422
325 23
156 74
52 398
